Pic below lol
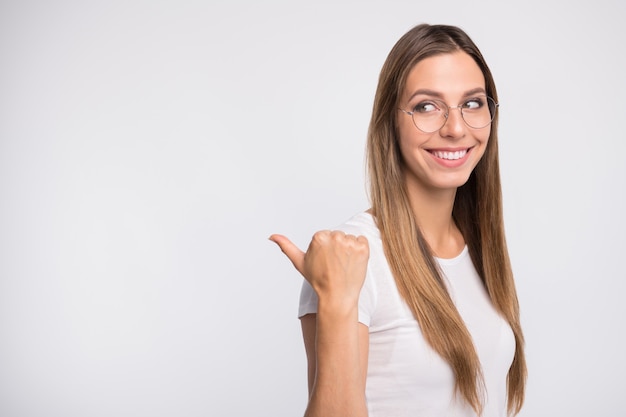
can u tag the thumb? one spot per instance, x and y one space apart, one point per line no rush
295 255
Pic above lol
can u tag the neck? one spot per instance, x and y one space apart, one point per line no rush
432 209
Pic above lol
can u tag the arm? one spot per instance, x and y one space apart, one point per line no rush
344 363
337 345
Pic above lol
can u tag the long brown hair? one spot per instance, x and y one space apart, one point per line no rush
477 212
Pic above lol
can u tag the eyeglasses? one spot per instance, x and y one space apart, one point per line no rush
431 115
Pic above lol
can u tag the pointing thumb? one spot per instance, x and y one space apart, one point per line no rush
295 255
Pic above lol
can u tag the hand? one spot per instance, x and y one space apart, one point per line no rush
334 264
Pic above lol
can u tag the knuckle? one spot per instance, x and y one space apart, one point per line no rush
320 235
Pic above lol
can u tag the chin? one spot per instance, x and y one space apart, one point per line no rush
450 182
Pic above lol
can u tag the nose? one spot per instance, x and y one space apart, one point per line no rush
454 127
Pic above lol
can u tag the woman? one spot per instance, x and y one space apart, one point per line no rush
410 308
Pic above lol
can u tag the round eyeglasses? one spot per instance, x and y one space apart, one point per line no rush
431 115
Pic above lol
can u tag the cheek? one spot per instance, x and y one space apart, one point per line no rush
403 137
484 139
487 134
409 136
410 143
483 135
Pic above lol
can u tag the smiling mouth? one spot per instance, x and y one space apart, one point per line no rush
450 156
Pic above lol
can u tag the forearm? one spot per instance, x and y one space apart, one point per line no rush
339 387
335 264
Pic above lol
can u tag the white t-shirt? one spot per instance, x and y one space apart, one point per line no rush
405 377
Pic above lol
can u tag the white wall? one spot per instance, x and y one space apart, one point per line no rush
149 148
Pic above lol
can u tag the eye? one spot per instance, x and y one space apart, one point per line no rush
474 104
426 107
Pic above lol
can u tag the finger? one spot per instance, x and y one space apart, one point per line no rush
295 255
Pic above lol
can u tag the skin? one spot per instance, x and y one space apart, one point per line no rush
335 263
432 186
336 343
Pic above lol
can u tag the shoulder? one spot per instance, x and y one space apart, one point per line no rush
364 224
361 224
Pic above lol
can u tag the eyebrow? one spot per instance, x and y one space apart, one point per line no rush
437 94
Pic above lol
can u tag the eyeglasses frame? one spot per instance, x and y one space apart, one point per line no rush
447 114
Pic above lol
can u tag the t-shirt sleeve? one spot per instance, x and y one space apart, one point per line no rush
308 300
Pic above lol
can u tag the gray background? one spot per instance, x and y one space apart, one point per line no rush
149 148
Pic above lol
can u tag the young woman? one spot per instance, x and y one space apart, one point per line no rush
410 309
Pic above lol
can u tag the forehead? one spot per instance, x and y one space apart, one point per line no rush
451 75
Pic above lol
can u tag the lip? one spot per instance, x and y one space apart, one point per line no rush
450 157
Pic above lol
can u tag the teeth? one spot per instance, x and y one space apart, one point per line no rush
450 155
